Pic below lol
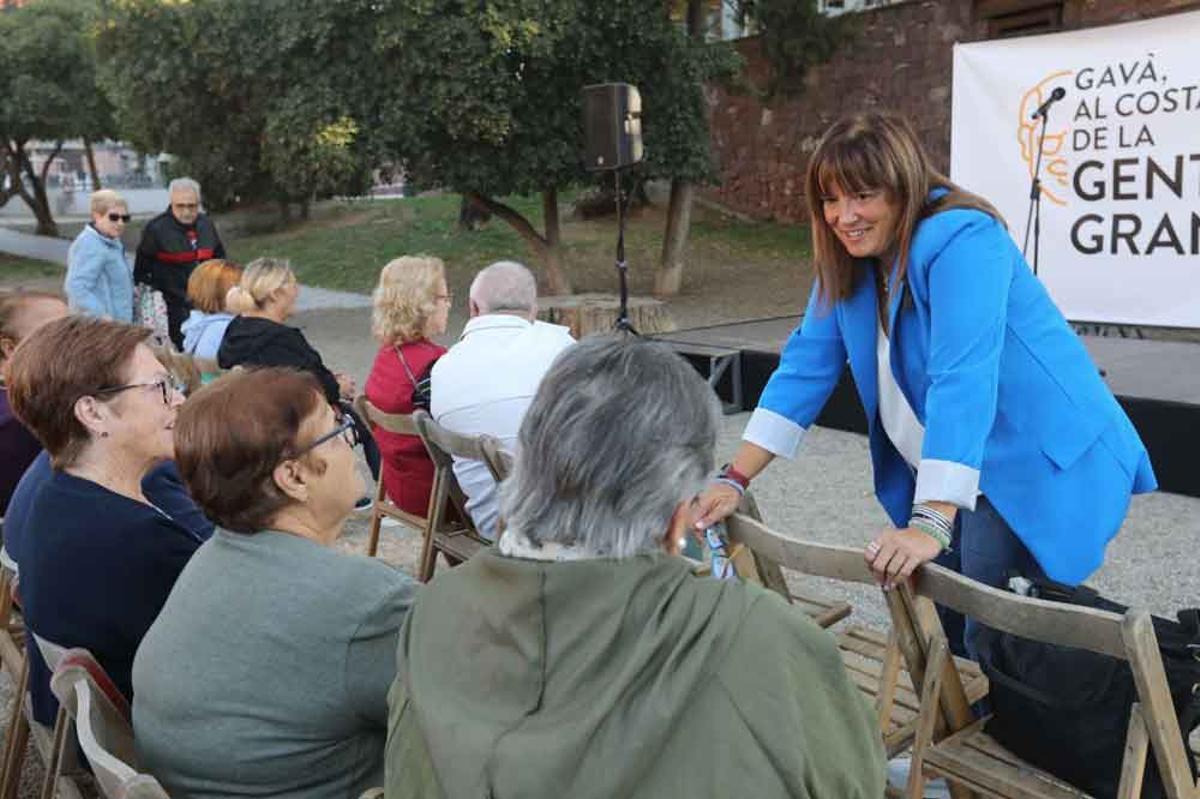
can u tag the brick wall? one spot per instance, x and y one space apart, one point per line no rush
900 59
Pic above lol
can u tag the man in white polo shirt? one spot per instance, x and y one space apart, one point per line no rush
485 383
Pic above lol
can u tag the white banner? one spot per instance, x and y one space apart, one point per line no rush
1120 228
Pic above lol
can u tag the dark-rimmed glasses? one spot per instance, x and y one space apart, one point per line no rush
115 217
345 428
165 384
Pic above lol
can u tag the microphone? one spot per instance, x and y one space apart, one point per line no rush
1056 95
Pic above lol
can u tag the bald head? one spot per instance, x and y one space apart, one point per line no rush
504 287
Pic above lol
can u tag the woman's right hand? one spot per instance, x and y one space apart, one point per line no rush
715 503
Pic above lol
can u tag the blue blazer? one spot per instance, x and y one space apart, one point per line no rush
1012 405
99 278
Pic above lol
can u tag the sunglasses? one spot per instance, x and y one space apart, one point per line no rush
112 217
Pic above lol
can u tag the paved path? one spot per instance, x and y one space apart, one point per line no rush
54 250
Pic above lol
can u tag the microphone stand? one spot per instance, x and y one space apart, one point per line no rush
1035 198
622 323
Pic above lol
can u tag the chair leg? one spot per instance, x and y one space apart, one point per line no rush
1137 746
927 721
885 698
17 737
433 523
62 724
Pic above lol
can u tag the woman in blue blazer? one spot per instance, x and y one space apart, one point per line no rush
995 444
99 278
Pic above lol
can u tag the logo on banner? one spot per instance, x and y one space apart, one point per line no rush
1101 157
1057 183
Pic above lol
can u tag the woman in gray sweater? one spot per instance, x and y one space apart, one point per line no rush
267 672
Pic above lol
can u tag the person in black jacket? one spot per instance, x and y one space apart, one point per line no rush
257 336
173 243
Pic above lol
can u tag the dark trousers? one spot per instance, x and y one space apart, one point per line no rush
985 549
177 313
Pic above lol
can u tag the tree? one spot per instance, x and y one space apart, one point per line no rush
256 100
795 36
47 92
485 97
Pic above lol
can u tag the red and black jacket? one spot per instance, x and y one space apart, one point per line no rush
170 251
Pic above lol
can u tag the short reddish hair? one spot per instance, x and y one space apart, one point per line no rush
230 435
210 282
57 364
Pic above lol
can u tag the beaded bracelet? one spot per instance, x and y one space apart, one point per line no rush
929 520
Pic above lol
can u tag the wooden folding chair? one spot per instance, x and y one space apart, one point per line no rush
950 742
400 424
50 744
873 659
460 540
102 720
757 566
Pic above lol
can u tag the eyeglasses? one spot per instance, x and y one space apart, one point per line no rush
345 429
167 386
447 298
119 217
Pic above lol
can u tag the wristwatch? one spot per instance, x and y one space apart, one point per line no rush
729 473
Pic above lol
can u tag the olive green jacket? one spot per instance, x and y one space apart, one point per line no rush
631 678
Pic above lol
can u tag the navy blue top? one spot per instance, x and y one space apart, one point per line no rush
162 485
95 575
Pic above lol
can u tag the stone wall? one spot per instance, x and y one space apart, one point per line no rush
900 59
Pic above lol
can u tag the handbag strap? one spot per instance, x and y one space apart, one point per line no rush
404 363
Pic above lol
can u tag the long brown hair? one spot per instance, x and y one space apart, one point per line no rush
872 151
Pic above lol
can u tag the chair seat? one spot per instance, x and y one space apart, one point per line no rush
863 650
974 758
825 612
460 545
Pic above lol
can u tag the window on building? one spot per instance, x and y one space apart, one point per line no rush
1019 17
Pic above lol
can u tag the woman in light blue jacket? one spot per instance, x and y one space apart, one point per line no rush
99 278
995 444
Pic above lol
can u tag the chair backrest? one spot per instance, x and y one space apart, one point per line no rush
103 726
444 445
1129 637
770 551
399 423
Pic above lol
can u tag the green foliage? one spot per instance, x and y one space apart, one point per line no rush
245 94
48 74
795 35
485 96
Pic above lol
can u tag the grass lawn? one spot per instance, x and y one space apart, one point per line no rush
30 273
735 269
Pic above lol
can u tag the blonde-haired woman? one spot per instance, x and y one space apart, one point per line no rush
411 306
263 300
99 279
995 444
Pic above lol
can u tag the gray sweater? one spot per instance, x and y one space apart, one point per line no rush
267 672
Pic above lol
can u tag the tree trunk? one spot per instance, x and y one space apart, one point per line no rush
679 212
669 279
37 201
549 255
91 162
552 256
305 208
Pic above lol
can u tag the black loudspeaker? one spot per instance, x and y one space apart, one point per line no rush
612 126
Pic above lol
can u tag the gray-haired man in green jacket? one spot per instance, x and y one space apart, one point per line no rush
582 658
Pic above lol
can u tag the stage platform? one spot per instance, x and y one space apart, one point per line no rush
1157 382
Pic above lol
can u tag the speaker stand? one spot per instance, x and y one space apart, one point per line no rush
622 323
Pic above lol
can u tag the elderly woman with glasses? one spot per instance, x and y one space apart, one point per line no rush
101 556
99 279
582 658
267 672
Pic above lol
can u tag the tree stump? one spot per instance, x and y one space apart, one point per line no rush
585 314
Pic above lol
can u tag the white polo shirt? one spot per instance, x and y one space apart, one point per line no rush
484 384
